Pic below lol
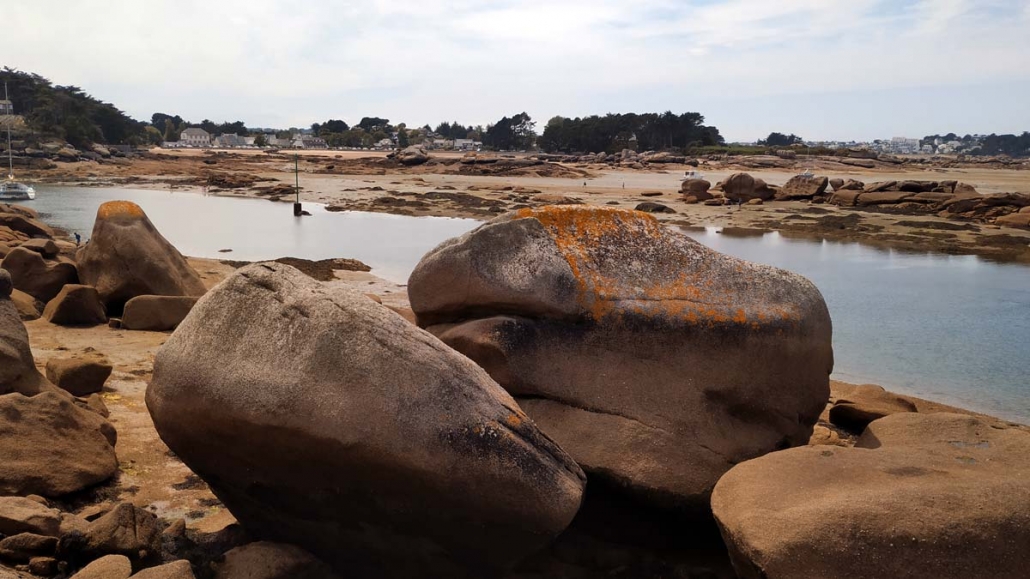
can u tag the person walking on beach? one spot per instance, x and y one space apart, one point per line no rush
78 239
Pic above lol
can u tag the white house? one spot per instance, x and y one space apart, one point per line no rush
194 137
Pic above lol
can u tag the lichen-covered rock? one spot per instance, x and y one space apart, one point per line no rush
127 257
941 496
40 278
76 305
656 362
323 419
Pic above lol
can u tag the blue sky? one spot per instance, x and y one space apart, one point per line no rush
824 69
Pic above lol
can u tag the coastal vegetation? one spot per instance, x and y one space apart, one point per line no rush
615 132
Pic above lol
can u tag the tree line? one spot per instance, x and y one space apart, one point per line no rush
615 132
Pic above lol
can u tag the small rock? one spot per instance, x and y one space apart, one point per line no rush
175 570
22 515
126 530
266 560
156 313
6 285
76 305
651 207
109 567
865 404
45 247
29 308
43 566
80 375
22 547
651 194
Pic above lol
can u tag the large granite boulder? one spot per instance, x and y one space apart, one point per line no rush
39 277
942 496
325 420
127 257
741 187
75 305
655 362
697 188
802 187
53 447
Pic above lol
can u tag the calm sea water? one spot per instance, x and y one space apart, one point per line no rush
952 329
255 229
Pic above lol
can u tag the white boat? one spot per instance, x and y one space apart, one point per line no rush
692 176
11 190
808 174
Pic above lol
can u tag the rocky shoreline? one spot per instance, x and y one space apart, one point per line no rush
560 414
906 206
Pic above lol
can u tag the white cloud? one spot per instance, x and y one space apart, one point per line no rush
290 63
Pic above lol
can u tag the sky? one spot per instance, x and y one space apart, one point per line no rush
822 69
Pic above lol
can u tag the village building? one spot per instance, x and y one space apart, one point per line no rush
230 141
6 107
310 143
194 137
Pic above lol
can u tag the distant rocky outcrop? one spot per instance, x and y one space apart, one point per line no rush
696 188
802 187
413 155
638 350
327 421
741 187
127 257
921 495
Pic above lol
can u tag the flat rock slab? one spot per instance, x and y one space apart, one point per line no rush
942 496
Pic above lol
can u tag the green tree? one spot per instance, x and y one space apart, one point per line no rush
402 137
260 140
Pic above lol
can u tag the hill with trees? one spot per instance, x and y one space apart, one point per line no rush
68 112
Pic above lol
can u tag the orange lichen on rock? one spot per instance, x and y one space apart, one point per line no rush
627 262
119 209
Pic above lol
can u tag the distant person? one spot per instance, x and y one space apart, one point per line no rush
78 239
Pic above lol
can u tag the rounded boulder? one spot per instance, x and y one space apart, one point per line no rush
325 420
656 362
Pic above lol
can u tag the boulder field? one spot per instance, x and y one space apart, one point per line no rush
658 364
324 419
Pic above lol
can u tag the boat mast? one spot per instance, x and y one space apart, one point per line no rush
10 154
